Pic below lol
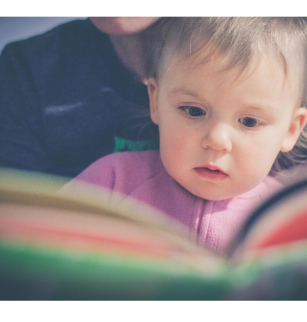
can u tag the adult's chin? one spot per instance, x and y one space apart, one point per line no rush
120 26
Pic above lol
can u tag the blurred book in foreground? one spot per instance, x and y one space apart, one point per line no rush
82 246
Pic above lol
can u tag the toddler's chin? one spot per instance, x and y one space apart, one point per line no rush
215 195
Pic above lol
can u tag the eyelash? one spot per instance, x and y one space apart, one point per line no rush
187 109
258 123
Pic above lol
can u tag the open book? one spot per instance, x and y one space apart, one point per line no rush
81 246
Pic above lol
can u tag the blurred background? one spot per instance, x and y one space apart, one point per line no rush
17 28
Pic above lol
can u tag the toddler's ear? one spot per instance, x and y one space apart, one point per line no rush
298 122
152 88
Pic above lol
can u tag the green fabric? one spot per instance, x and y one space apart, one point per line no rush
122 145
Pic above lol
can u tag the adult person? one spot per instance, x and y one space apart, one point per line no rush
68 96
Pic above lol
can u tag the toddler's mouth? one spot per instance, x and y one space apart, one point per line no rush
212 173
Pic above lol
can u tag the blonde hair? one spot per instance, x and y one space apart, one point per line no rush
241 39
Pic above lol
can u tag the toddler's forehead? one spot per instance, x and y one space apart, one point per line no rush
208 64
220 65
194 71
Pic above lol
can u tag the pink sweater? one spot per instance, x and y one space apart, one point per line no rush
141 175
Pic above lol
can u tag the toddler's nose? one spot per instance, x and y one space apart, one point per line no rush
218 138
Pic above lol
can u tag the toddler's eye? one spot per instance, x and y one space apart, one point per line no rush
193 111
249 121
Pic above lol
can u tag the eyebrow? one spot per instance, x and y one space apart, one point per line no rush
183 90
264 107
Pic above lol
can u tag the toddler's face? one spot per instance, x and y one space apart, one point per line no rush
220 132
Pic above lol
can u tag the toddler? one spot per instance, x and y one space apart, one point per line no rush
228 97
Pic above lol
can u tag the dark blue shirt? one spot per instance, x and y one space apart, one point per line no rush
65 98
